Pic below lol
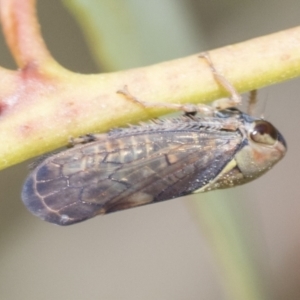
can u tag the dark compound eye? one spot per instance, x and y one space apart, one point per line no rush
264 133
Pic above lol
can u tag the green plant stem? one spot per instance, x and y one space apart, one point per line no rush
46 122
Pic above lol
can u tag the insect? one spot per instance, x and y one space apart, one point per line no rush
205 149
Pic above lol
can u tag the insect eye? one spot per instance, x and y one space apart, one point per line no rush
264 133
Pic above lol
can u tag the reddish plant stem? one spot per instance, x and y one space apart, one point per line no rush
23 36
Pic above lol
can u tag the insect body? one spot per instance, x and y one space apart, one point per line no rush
153 162
149 163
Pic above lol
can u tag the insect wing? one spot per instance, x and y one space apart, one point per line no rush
112 174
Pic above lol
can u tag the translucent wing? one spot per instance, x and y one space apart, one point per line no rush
119 172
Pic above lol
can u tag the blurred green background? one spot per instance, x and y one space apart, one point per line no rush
162 251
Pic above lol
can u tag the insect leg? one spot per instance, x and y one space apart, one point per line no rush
189 109
84 139
252 102
235 97
81 140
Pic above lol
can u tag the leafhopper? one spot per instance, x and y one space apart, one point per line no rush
207 148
